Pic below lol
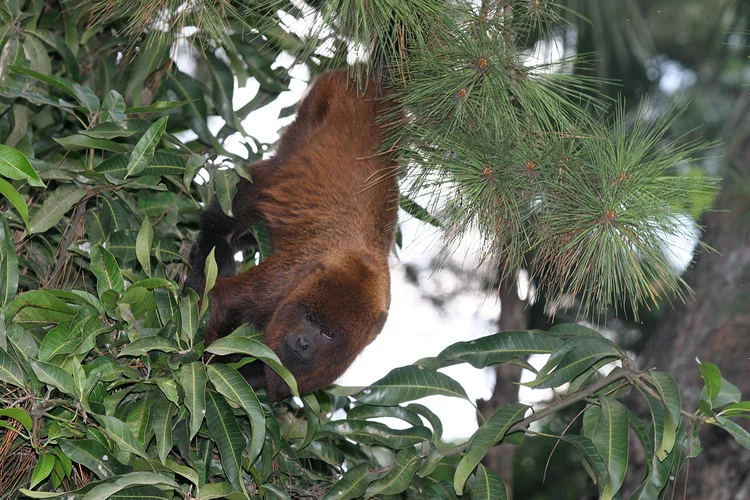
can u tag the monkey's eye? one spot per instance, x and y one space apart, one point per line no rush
308 316
328 334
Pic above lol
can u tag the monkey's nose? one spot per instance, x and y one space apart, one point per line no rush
303 343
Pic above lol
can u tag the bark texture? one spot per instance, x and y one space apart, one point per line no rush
715 327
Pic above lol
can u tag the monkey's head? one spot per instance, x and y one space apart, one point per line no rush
338 307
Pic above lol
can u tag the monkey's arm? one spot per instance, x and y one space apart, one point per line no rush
228 235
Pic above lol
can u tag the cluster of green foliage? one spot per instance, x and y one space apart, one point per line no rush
104 392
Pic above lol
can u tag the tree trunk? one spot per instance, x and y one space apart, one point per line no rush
715 328
513 316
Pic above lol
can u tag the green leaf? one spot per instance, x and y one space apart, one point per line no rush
263 237
153 54
736 409
78 142
499 348
115 129
55 206
610 438
189 316
19 415
143 245
488 485
10 193
15 165
583 354
592 457
367 432
94 456
253 348
353 484
235 388
399 477
670 395
215 490
8 261
162 424
108 489
123 437
484 439
414 209
38 307
712 378
147 344
54 376
226 433
408 383
193 380
225 184
10 372
738 433
42 469
143 152
107 271
211 271
729 393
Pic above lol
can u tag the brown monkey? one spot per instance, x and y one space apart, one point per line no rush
329 202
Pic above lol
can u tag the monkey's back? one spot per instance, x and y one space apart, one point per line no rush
329 188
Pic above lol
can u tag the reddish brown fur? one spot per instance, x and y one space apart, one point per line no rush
332 229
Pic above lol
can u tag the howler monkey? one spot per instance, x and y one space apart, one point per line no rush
329 201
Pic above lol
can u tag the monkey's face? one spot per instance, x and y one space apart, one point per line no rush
320 329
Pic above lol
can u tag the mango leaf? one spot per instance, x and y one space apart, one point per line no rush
414 209
738 433
143 245
235 388
501 347
225 184
583 354
38 307
108 489
488 485
162 424
43 468
113 130
353 484
107 271
19 415
226 433
55 206
670 395
610 439
54 376
486 437
591 456
144 149
215 490
189 316
367 432
193 380
712 379
408 383
10 372
211 272
121 435
399 477
15 165
15 199
8 261
94 456
147 344
77 142
363 412
253 348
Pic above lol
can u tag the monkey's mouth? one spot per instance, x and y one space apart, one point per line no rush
300 358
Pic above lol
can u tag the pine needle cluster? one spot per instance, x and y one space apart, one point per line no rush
519 151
